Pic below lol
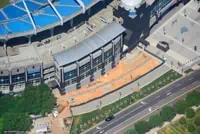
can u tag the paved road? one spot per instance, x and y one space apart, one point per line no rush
156 100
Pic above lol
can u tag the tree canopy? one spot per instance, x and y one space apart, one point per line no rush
167 113
34 100
181 106
190 113
16 122
155 120
142 127
193 98
131 131
191 127
197 121
14 111
182 121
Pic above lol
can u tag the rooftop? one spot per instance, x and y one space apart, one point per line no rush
89 45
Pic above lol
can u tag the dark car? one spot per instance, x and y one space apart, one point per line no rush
109 118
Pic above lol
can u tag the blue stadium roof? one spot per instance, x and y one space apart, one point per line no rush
15 20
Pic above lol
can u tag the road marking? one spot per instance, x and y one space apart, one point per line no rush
119 118
191 78
155 109
156 97
183 89
178 85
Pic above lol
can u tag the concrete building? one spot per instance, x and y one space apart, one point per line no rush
81 64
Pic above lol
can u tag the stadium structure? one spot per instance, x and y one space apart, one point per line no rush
29 17
62 60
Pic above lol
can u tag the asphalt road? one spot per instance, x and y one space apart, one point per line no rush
150 103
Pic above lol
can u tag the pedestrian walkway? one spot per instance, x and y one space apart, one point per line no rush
181 33
122 92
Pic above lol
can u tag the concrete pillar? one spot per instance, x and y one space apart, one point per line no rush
10 77
26 74
103 1
91 60
29 39
89 11
71 22
52 31
5 46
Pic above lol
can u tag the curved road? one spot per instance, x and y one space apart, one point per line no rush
125 119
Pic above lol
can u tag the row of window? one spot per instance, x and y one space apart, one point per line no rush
19 78
84 68
4 80
159 6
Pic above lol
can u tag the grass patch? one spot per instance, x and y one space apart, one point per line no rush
85 121
4 3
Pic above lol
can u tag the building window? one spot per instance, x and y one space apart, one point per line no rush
97 60
71 74
108 54
74 80
82 77
67 83
84 68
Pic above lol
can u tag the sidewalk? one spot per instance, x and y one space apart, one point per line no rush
112 97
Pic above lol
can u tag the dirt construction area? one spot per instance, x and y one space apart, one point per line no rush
132 66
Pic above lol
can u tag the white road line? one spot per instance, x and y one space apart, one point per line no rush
178 85
183 88
156 97
191 78
120 118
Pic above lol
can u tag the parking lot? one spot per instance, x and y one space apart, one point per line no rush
181 32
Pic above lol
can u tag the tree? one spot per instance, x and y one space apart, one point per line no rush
190 113
142 127
197 121
155 120
1 125
181 106
191 127
16 122
193 98
167 113
131 131
182 121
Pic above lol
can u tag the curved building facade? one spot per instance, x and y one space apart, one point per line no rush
90 59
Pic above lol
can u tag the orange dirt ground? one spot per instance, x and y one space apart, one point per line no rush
126 71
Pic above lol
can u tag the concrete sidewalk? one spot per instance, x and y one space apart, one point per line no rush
112 97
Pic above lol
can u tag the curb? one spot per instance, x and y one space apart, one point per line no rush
136 101
157 108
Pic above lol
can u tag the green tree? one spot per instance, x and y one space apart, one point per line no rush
1 125
197 121
131 131
155 120
142 127
190 113
16 122
193 98
181 106
167 113
182 121
191 127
